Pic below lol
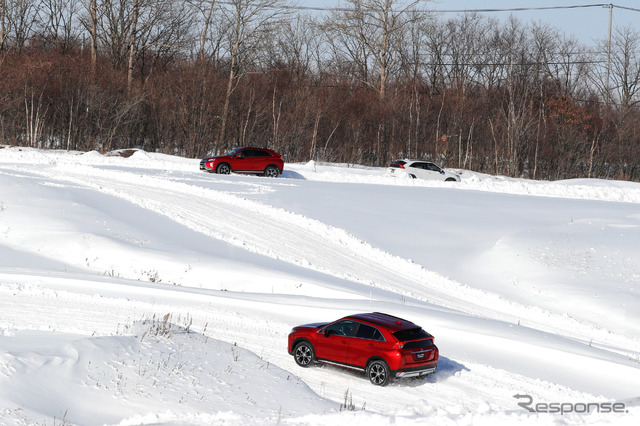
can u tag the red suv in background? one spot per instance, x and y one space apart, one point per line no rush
381 345
245 160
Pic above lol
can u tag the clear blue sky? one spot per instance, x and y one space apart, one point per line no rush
587 24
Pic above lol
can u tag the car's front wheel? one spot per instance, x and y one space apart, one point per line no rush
223 169
378 373
303 354
271 171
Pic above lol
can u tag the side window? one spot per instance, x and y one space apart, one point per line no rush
249 152
260 153
368 332
342 328
433 167
417 165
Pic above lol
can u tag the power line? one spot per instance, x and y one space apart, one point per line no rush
624 7
529 9
486 10
520 9
426 63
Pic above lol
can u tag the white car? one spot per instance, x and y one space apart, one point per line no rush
418 169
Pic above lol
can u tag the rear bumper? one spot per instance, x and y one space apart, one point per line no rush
416 371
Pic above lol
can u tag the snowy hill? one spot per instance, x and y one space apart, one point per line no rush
140 290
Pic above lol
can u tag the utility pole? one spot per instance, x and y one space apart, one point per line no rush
609 53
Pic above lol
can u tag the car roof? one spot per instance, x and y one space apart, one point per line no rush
413 161
254 147
408 161
388 321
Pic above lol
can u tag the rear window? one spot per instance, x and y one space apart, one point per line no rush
419 344
411 334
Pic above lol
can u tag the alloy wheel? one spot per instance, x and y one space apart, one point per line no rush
303 354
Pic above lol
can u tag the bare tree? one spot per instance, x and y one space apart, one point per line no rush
250 22
492 57
371 33
465 38
206 9
561 60
625 63
19 17
129 27
622 94
296 42
517 113
133 41
435 53
58 22
94 11
4 13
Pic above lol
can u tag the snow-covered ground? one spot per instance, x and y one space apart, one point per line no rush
141 290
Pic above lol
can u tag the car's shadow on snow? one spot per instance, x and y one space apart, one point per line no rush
289 174
446 368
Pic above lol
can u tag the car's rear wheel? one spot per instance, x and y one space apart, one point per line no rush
450 180
303 354
378 373
271 171
223 169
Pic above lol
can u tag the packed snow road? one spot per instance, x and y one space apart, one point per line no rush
247 258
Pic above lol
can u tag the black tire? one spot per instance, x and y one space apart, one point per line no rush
223 169
271 171
303 354
378 373
450 180
412 176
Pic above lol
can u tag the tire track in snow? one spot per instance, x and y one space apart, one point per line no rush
480 385
305 242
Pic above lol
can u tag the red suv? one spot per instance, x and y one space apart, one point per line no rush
381 345
245 160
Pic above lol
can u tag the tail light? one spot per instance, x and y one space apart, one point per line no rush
397 165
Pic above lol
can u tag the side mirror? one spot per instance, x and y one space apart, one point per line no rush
328 333
441 172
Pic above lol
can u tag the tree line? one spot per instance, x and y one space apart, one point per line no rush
365 83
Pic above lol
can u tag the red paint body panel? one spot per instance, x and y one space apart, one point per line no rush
405 347
245 160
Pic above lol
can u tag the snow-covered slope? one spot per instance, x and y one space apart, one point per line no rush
531 288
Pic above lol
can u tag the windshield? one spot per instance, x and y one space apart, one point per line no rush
233 151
